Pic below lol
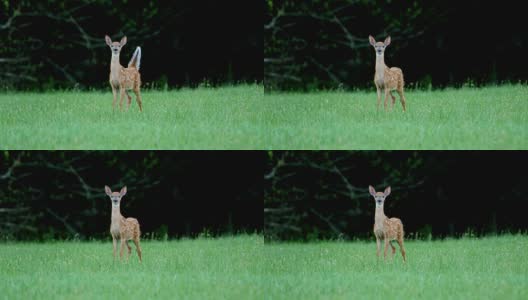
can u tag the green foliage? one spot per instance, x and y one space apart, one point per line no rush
466 118
203 118
488 268
223 268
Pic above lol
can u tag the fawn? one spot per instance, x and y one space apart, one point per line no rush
386 78
122 228
385 228
124 78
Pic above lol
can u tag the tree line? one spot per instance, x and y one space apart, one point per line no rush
60 44
60 195
323 44
313 195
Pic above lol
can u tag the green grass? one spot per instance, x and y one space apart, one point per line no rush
488 268
223 268
241 117
203 118
242 267
467 118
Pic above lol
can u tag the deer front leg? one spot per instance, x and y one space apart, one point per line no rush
379 96
378 245
114 241
122 249
386 98
122 90
114 92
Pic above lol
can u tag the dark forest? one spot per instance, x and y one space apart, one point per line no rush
324 44
324 195
60 195
60 44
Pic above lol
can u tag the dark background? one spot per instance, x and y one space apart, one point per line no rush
60 44
312 195
47 195
324 44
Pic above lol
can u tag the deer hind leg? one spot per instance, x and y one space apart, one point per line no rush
122 249
402 97
122 96
129 99
138 247
393 249
129 249
386 248
393 100
138 96
402 249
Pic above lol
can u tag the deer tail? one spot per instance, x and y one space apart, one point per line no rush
136 59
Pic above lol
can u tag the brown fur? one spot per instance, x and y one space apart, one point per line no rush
121 228
386 78
123 78
386 229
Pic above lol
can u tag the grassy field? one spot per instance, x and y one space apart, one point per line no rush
489 268
242 267
224 268
468 118
241 117
203 118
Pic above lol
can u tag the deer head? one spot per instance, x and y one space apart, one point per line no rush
115 197
379 47
379 197
115 47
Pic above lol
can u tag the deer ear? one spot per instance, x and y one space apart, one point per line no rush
387 191
123 41
372 40
123 191
387 41
108 40
372 191
108 190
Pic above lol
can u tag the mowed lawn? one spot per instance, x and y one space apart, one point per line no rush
202 118
467 118
223 268
488 268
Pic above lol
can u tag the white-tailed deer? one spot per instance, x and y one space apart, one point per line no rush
384 228
123 78
386 78
122 228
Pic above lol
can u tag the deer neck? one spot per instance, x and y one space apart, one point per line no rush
116 215
380 216
380 67
115 66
